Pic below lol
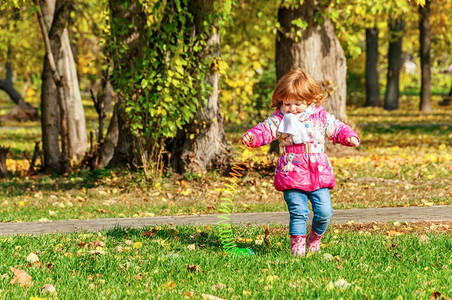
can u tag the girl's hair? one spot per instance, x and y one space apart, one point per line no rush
297 85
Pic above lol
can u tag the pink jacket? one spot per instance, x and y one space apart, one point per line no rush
304 166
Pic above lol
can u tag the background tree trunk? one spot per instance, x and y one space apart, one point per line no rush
208 149
54 13
78 138
318 51
425 39
133 21
7 85
23 111
3 168
396 27
372 85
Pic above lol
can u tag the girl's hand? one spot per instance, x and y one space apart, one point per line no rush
353 141
247 139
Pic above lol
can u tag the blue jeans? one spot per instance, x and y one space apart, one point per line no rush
297 203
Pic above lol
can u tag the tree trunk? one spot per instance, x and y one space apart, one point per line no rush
23 111
372 86
107 148
129 22
425 39
54 13
74 135
396 27
7 85
77 136
317 51
3 168
208 149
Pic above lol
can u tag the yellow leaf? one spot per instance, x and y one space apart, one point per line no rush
169 285
137 245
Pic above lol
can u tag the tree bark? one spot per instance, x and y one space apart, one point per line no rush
7 85
107 148
130 22
317 51
72 125
3 168
208 149
372 85
54 13
425 40
396 27
77 136
23 111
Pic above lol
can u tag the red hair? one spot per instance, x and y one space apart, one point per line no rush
297 85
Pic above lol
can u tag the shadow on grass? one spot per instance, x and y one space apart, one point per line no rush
17 186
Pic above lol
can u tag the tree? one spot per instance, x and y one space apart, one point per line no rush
372 85
62 110
425 39
307 39
166 73
201 144
396 26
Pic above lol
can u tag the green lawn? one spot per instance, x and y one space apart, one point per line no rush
401 261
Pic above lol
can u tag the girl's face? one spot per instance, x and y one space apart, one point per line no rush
294 106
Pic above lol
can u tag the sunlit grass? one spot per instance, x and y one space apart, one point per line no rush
173 262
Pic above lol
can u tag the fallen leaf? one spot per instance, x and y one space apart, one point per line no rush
137 245
191 247
31 258
393 233
48 288
219 286
188 294
95 244
21 277
211 297
98 252
194 268
169 285
149 233
424 239
340 283
328 256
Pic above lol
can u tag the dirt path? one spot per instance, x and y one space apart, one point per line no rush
341 216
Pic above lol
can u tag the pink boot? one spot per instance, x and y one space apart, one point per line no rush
314 242
297 245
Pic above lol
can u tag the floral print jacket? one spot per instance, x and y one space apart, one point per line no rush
304 166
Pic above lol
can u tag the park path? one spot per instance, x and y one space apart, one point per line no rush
340 216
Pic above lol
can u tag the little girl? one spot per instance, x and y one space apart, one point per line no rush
303 171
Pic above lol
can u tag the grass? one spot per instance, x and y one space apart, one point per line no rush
396 261
404 160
